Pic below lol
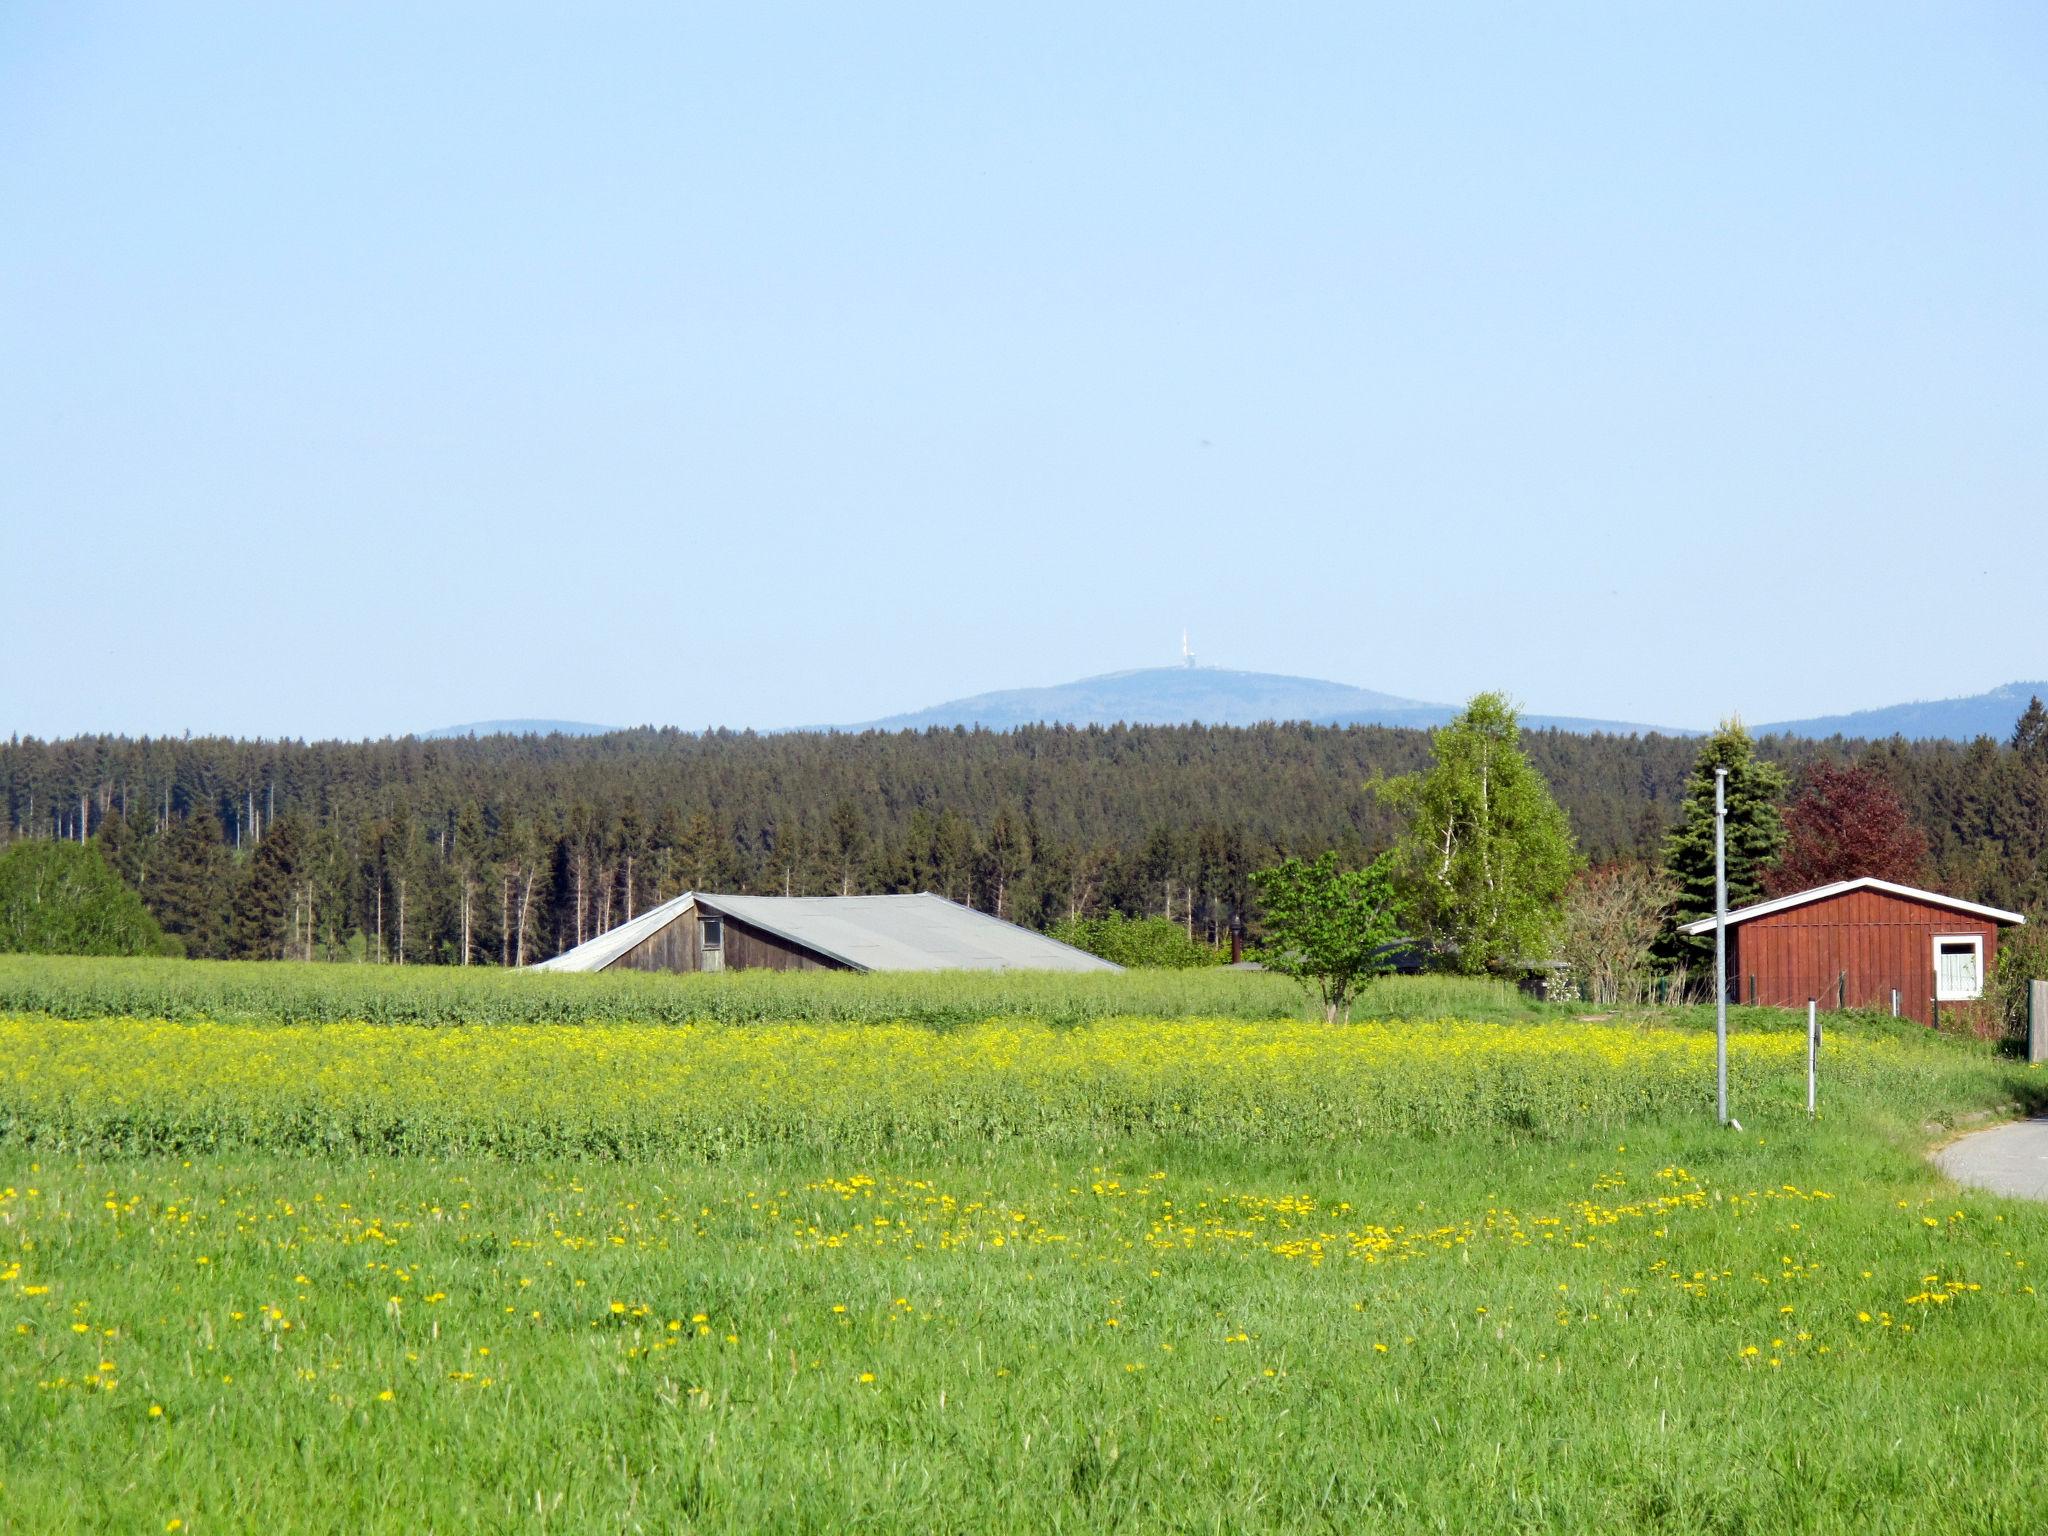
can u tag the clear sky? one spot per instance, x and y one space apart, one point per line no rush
370 368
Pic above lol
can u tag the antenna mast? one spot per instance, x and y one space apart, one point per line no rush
1187 656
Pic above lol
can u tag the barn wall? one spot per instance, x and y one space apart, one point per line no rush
675 947
748 948
671 947
1874 939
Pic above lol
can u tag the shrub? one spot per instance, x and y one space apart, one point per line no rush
1143 942
61 899
2022 957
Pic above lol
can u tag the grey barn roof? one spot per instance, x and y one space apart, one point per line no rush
869 933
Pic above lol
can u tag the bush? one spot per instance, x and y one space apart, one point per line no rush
61 899
2022 957
1144 942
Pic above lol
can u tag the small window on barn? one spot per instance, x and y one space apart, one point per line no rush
1958 969
714 933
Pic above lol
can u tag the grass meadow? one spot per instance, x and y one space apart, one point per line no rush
1081 1268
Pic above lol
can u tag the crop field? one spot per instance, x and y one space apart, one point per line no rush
1081 1268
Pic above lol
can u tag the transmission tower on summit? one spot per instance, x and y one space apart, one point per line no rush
1187 656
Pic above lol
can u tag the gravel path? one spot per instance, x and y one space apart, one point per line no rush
2007 1159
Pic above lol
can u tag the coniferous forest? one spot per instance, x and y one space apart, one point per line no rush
504 850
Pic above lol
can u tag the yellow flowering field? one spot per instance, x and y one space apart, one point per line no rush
1207 1274
711 1090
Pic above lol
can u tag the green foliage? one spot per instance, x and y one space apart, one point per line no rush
1138 942
192 889
1048 821
61 899
1329 928
1755 834
1487 852
268 919
2022 958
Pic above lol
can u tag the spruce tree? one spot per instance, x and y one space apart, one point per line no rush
1755 834
191 892
270 904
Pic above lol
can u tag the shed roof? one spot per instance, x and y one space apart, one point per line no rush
1843 887
923 932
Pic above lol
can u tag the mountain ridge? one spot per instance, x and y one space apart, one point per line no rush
1992 713
1208 695
1231 697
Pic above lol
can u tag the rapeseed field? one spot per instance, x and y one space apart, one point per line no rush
707 1090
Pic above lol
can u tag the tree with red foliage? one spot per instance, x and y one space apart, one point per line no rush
1844 823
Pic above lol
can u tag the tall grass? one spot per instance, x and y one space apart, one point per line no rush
287 993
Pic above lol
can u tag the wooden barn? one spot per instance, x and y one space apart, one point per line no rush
1853 943
702 932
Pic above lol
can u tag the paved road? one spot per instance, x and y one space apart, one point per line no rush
2007 1159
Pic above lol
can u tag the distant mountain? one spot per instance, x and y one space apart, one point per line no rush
1990 714
1208 695
518 728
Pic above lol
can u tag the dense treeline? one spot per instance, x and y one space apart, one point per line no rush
508 849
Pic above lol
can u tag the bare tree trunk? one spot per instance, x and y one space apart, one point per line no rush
505 921
465 919
379 949
309 920
629 887
401 922
525 908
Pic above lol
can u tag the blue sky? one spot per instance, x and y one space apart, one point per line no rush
370 368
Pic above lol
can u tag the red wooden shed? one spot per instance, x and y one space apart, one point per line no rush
1851 943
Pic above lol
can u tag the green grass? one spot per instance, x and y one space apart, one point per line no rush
1653 1325
290 993
1527 1382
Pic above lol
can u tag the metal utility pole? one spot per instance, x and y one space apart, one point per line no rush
1721 938
1812 1056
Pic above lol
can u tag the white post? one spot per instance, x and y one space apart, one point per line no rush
1721 939
1812 1056
1895 1002
2037 1021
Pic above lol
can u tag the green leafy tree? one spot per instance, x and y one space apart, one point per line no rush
1487 852
62 899
1755 835
1331 929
